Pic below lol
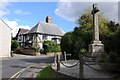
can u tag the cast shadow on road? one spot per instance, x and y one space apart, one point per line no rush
39 60
46 60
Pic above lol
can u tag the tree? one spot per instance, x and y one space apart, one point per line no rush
116 42
86 21
66 42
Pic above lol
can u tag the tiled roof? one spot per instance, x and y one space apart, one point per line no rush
47 28
23 31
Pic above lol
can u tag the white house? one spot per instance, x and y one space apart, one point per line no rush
41 32
5 39
21 36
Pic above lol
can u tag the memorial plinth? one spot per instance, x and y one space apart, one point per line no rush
96 47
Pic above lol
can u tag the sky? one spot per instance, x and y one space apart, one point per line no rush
27 14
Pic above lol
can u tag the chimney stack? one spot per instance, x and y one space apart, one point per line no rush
48 19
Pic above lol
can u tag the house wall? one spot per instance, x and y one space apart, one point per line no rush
40 38
5 40
20 39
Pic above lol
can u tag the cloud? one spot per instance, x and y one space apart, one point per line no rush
2 13
3 3
13 24
110 10
15 27
21 12
18 20
3 9
72 10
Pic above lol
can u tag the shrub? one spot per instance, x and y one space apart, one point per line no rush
112 57
103 57
25 51
109 58
50 46
82 51
14 44
37 49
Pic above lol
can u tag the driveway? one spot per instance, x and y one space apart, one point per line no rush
11 66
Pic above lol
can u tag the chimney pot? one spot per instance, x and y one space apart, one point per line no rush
48 19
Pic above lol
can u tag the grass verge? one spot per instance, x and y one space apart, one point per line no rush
46 73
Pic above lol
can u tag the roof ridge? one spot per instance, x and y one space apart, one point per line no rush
37 27
40 25
48 23
6 23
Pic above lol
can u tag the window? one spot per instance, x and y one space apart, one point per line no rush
44 37
59 40
19 38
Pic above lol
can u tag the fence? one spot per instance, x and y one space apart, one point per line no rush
81 63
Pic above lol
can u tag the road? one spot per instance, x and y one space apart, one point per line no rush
11 66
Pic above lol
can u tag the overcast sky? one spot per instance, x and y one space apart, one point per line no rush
64 14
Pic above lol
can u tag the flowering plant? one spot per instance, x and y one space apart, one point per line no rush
82 51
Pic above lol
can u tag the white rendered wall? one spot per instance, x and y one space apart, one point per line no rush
5 40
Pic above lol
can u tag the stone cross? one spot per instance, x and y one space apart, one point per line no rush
95 22
96 47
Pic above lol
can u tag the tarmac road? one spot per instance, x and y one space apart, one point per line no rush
10 66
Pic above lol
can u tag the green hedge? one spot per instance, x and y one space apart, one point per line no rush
25 51
50 46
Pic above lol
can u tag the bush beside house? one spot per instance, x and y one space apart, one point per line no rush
26 51
50 46
14 44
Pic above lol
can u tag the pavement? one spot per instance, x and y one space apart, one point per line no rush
12 65
88 72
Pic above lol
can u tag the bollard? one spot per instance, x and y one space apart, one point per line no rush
55 59
65 56
81 66
58 62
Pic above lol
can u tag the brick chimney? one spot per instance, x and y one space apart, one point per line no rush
48 19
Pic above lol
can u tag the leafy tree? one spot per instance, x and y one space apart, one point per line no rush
116 42
66 42
86 21
113 27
